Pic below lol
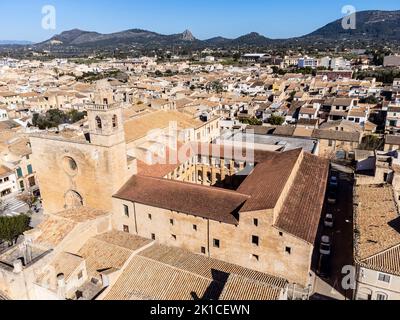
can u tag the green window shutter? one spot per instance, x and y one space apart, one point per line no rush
30 170
19 172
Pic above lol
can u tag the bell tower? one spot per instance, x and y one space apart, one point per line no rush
106 126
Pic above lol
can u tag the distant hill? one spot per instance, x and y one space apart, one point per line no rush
372 27
133 37
15 42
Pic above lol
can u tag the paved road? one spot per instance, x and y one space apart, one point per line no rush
343 244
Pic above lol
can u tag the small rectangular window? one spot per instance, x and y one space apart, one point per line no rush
281 234
174 237
195 227
384 278
216 243
288 250
153 236
171 221
126 229
203 250
255 221
80 275
126 210
150 216
255 240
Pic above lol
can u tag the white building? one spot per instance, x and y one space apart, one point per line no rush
308 62
8 182
3 114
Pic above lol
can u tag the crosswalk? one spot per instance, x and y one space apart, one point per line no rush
14 204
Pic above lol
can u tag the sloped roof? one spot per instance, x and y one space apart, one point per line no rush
207 202
165 273
301 211
267 181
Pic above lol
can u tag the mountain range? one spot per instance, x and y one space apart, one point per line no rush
15 42
372 27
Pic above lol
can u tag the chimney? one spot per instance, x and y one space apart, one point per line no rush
61 285
18 266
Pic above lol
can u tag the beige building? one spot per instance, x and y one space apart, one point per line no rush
83 169
266 227
338 136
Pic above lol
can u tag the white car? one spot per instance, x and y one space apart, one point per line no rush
328 222
325 248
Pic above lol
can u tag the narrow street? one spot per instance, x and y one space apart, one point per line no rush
342 242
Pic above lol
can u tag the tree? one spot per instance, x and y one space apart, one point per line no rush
276 120
291 96
54 117
75 116
217 86
372 142
252 122
29 199
12 227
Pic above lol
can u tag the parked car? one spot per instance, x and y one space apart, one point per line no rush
326 246
328 222
332 197
324 269
334 181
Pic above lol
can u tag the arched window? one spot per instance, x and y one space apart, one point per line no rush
99 123
381 296
115 121
73 200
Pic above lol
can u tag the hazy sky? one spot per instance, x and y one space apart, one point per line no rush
22 19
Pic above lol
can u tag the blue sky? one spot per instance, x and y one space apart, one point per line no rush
21 19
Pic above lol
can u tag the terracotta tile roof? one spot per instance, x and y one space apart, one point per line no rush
267 181
4 171
387 261
207 202
377 220
239 288
394 140
301 212
100 255
164 273
81 214
53 231
123 240
286 131
20 147
139 127
336 135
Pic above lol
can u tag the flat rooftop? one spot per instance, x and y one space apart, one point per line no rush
271 142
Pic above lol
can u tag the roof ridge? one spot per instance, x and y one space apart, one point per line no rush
221 190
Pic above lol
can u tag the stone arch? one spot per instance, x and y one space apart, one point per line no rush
73 200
